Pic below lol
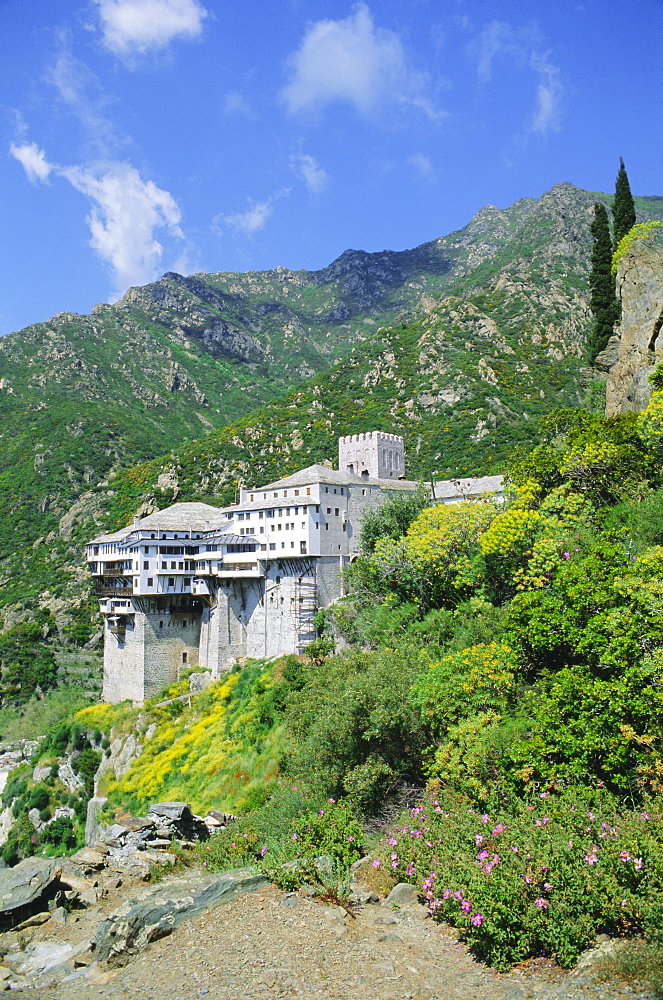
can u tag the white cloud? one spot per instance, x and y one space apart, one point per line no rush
33 160
255 217
79 88
125 213
422 165
309 170
236 104
351 60
522 47
137 26
548 96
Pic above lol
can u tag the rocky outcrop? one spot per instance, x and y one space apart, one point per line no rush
640 288
159 910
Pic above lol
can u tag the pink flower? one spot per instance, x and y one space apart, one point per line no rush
294 836
625 856
263 851
479 839
476 919
392 841
485 819
541 903
591 858
637 863
376 863
332 801
350 837
465 906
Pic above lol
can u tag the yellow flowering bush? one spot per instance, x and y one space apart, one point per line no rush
650 423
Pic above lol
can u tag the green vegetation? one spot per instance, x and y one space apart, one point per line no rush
623 209
602 284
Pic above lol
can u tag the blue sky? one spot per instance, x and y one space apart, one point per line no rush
140 136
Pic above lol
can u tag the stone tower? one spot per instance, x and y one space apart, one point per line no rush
375 454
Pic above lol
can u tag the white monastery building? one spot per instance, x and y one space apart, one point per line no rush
197 585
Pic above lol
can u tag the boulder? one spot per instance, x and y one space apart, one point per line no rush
402 894
87 858
157 911
26 889
172 812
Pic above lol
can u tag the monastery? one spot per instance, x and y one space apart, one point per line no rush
197 585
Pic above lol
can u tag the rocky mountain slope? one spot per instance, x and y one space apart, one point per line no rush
458 344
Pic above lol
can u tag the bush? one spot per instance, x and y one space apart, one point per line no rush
526 879
21 842
60 832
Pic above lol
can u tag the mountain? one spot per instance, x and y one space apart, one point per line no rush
458 344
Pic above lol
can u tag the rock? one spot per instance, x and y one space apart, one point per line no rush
133 824
221 818
640 288
93 828
200 682
67 777
35 921
159 909
33 816
41 772
88 858
101 848
26 888
402 894
174 812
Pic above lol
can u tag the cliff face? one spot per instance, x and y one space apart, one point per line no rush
640 343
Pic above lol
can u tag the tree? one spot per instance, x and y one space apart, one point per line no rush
602 283
623 209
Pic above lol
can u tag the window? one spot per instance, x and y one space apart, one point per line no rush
326 527
263 548
292 526
287 526
171 581
276 494
164 565
329 510
240 517
315 524
326 489
260 515
150 581
292 545
302 548
279 526
296 493
252 496
303 524
285 493
334 491
173 565
282 545
273 527
187 581
317 508
272 545
184 657
336 511
146 565
184 624
248 516
262 529
146 550
160 624
308 491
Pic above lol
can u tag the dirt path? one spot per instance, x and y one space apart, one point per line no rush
269 944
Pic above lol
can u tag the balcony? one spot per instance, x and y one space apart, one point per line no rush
114 591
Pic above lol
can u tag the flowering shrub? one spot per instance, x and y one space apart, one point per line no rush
526 879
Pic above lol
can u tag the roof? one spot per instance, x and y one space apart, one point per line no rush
468 487
322 474
194 516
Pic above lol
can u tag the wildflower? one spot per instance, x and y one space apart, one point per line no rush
376 863
294 836
263 851
625 856
392 841
591 815
645 815
527 879
476 919
466 906
500 828
485 819
591 858
394 856
446 894
637 863
547 885
545 821
515 848
350 837
458 896
541 903
479 839
321 813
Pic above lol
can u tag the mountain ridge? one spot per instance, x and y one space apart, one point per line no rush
490 317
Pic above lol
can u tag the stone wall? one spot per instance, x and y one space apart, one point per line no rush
640 288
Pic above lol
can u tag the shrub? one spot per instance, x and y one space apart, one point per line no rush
60 832
526 879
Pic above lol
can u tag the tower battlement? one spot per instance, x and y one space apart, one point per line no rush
374 454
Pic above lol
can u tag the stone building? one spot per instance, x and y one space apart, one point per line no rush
201 585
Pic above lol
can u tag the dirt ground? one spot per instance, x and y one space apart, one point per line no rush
271 944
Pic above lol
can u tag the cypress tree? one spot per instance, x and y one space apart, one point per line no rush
602 284
623 209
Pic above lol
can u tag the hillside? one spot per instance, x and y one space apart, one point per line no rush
458 344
